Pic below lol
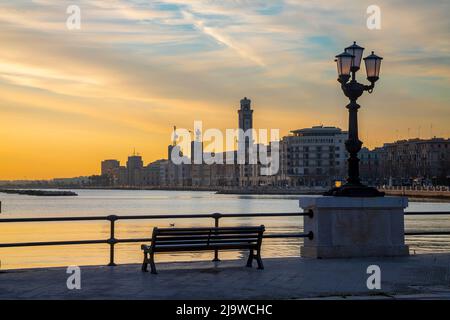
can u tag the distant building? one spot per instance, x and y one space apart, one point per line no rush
245 123
154 174
417 161
67 182
110 171
313 157
372 166
109 166
122 176
135 172
178 175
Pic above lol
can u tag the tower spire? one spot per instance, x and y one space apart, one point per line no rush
174 142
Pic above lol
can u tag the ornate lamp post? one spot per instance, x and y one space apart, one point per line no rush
348 64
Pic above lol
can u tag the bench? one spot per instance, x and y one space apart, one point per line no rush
204 239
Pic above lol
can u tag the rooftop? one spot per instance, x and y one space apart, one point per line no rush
417 141
318 131
422 276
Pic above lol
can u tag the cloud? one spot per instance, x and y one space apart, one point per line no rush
223 39
143 66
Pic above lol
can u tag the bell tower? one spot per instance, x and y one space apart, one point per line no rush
245 115
246 121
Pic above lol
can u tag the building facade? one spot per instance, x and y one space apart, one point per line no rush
313 157
372 166
417 161
110 171
135 172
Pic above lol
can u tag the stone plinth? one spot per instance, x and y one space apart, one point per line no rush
346 227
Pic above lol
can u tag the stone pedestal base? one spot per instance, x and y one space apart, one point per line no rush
346 227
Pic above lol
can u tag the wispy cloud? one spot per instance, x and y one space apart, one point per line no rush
140 66
223 39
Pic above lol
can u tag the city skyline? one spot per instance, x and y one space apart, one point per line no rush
135 69
84 178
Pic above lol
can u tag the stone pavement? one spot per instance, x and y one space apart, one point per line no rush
425 276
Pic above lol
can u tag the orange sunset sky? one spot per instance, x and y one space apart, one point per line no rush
70 98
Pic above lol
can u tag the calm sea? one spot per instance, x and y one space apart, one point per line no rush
141 202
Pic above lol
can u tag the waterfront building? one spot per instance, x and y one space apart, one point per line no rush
109 166
200 172
417 161
134 170
110 171
372 166
313 157
178 175
154 173
217 174
70 182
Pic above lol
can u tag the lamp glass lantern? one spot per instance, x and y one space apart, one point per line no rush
344 64
373 64
357 52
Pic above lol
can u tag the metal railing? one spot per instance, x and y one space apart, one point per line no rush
416 188
427 233
112 240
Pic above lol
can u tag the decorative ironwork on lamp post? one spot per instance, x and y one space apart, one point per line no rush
348 64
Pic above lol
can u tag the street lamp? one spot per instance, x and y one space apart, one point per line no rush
344 66
356 51
348 63
373 64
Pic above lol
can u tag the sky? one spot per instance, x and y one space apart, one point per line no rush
71 98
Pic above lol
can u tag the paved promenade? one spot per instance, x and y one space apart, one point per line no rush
416 277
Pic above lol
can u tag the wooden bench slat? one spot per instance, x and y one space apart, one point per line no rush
209 236
205 231
208 228
174 248
216 242
185 233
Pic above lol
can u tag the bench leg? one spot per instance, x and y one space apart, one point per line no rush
152 263
250 259
145 263
259 260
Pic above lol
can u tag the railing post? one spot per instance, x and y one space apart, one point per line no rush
112 240
216 217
